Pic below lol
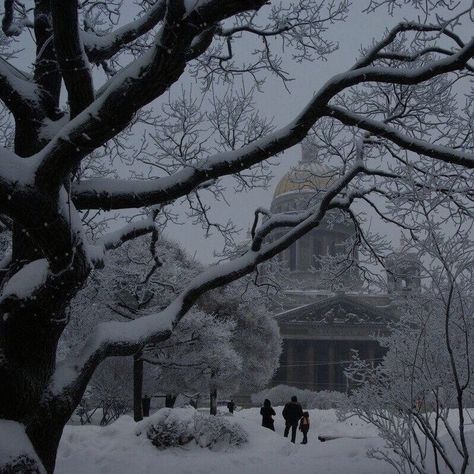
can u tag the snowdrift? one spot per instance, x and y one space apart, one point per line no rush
117 449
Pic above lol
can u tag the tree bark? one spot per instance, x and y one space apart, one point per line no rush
213 401
137 386
45 435
170 401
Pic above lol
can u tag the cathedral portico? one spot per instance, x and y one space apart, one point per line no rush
320 340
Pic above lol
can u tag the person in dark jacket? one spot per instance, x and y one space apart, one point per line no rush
231 407
292 413
267 413
304 427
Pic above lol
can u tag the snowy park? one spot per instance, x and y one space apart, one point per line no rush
236 236
114 449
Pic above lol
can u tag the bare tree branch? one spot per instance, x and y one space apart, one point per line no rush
382 130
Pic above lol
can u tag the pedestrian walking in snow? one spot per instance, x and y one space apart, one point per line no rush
304 427
292 413
267 413
231 407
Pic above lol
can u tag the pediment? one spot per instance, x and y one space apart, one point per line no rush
337 310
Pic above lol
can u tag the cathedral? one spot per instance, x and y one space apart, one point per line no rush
323 313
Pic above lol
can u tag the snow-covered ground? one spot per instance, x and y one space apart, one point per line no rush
117 449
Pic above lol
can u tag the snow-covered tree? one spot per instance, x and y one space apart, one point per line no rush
235 344
86 100
428 371
255 337
140 277
198 357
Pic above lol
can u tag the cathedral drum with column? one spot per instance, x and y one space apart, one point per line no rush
326 318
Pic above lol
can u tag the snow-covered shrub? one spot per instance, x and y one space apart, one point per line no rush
17 455
217 432
169 427
282 394
326 399
21 465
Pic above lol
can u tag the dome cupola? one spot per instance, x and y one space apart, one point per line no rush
300 188
307 176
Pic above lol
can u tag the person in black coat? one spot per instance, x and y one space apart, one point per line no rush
267 413
292 413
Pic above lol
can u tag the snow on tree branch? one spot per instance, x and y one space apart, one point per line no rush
382 130
106 194
12 26
71 56
376 51
102 47
115 239
125 338
17 91
142 81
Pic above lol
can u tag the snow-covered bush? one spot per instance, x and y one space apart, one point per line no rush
22 465
169 428
326 399
282 394
217 432
179 426
17 455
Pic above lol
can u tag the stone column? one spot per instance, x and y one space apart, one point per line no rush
371 352
332 367
311 367
290 360
324 245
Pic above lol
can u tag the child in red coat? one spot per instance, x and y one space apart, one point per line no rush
304 427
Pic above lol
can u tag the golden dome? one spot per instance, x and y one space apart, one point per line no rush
307 176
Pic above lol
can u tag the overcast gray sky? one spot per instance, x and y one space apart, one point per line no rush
283 106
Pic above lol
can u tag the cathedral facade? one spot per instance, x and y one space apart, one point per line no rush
323 314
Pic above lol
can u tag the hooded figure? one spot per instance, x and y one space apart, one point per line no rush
267 413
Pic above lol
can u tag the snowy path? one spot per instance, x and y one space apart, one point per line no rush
116 449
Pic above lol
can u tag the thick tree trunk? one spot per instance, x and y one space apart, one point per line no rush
28 353
45 435
137 387
30 329
28 356
213 402
170 401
